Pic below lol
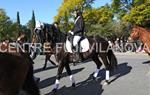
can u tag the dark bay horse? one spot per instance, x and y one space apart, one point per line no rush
108 59
16 72
64 58
143 35
45 40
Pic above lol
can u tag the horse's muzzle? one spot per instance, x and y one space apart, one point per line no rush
130 39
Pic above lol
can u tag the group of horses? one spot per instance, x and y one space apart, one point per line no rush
16 68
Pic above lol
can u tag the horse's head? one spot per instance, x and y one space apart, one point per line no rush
38 34
135 34
22 38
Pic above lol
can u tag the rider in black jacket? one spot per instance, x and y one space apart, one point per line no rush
78 29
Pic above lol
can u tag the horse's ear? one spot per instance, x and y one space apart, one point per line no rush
134 26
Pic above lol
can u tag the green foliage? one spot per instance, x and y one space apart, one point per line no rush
138 15
5 24
69 5
98 15
99 21
109 21
9 29
31 23
110 30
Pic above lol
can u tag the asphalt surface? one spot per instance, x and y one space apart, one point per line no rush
131 77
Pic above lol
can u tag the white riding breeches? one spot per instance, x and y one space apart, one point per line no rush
76 40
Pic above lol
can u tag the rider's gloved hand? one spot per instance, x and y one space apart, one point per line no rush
71 32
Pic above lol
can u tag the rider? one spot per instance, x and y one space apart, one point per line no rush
39 30
56 31
78 30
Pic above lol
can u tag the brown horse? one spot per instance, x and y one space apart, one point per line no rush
16 72
46 44
64 58
143 35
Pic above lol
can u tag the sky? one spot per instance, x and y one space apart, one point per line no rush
45 10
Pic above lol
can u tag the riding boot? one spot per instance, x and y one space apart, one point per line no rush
71 40
78 57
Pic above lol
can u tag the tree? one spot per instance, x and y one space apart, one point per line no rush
123 7
26 31
5 24
18 25
98 15
69 5
139 15
31 23
18 18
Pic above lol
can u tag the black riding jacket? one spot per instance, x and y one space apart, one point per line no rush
78 28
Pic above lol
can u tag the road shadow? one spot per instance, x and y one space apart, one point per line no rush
92 87
47 68
146 62
87 87
51 81
123 69
53 67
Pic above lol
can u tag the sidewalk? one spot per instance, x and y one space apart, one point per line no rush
130 53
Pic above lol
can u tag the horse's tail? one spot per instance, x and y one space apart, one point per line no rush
112 60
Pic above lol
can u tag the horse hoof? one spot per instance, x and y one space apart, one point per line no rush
94 78
74 85
44 68
74 64
38 80
54 90
106 83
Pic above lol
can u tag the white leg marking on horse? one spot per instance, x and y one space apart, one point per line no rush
96 73
56 84
107 74
105 83
72 79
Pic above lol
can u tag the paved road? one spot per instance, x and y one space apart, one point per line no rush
131 77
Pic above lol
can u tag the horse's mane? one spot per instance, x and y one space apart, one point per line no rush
142 29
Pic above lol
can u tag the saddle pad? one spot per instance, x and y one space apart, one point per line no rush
84 44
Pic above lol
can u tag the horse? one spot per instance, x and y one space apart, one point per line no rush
16 71
143 35
45 41
64 58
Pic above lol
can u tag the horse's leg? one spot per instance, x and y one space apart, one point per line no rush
112 60
98 64
107 66
51 61
59 73
46 59
67 67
